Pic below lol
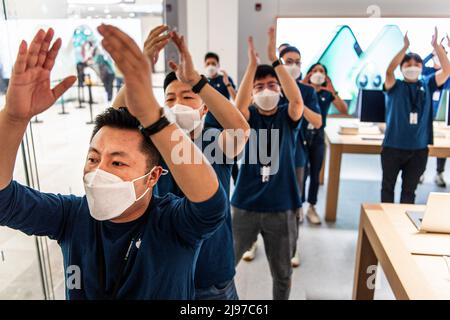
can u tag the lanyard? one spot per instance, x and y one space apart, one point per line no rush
414 99
269 129
138 232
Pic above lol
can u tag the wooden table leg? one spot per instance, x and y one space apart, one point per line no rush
322 171
366 266
334 172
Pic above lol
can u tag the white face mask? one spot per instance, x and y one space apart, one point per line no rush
293 70
211 71
187 118
267 100
412 73
108 196
318 78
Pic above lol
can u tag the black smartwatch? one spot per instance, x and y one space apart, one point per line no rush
156 127
200 85
277 63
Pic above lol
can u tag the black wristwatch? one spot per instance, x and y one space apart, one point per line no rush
277 63
200 85
156 127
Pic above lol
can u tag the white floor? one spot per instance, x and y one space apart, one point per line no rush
327 252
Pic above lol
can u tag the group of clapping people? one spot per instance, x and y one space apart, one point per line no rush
158 220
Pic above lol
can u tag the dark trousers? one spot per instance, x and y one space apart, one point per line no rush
411 163
108 83
278 230
440 168
315 155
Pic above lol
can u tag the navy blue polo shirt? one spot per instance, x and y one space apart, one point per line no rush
160 268
325 99
218 84
310 100
403 99
212 268
281 192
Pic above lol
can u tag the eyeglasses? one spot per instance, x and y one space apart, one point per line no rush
274 86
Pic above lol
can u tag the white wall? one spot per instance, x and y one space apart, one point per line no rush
256 23
212 25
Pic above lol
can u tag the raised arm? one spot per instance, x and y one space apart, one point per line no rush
340 104
229 84
142 103
390 72
443 74
156 41
244 95
222 109
290 87
29 94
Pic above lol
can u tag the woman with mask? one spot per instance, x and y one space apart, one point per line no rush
409 120
317 77
187 104
266 196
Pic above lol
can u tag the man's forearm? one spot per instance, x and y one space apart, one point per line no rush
11 133
190 169
244 95
120 100
232 92
396 60
315 119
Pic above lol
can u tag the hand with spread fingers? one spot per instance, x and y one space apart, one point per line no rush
156 41
136 69
29 92
185 69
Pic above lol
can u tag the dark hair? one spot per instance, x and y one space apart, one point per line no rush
315 65
170 77
284 45
122 119
411 56
287 50
212 55
263 71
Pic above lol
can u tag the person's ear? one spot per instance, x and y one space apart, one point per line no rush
204 110
154 176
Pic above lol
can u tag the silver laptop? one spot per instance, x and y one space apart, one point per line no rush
436 217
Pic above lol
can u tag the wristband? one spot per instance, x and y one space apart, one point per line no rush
277 63
154 128
200 85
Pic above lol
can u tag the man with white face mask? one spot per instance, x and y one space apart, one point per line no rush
127 243
187 97
409 120
220 80
437 98
215 269
266 196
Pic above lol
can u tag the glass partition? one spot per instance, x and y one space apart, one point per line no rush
57 140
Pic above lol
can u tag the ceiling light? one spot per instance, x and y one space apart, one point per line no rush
132 14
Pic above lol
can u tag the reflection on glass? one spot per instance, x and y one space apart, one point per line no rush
61 136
